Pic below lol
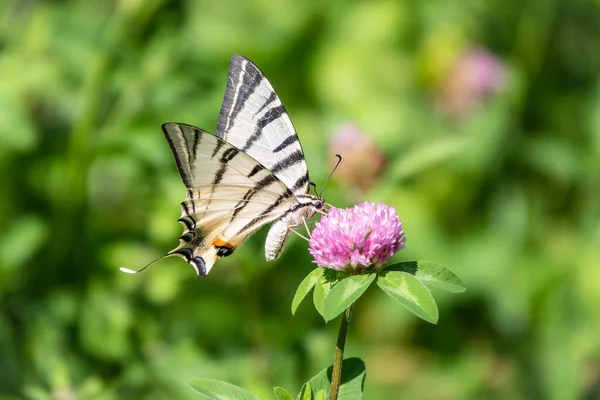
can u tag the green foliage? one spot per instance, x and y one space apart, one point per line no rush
217 390
501 188
305 287
404 282
412 294
305 392
322 288
352 383
344 293
282 394
431 274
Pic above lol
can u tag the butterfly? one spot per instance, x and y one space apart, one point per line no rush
251 173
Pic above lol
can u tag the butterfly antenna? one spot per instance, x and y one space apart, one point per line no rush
314 187
137 271
330 175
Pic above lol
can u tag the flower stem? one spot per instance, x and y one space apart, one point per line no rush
338 358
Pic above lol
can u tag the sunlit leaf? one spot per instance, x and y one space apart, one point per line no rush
282 394
305 392
344 293
305 287
432 274
352 382
406 289
218 390
322 287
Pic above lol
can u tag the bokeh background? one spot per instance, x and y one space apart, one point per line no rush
479 121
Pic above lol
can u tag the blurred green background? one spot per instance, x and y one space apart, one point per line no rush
479 121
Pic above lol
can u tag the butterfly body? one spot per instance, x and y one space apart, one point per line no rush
251 173
295 217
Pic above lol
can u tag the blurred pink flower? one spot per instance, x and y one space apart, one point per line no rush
364 236
362 161
476 75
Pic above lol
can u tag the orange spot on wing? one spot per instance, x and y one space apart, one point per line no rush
221 243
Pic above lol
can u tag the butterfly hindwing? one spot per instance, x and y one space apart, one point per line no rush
230 195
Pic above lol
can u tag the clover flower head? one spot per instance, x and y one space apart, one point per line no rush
364 236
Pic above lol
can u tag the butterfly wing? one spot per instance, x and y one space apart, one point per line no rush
254 120
230 195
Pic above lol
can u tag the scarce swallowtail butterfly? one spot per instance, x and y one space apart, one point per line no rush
251 173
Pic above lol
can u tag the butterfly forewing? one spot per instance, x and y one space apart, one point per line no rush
254 120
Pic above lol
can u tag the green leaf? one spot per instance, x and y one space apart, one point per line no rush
432 274
411 293
305 287
305 392
322 395
282 394
322 287
344 293
352 382
219 390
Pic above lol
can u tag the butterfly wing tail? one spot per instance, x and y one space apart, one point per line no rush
202 259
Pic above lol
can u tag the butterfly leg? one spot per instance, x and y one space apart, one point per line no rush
327 207
291 228
306 226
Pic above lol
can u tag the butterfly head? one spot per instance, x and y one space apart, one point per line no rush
319 203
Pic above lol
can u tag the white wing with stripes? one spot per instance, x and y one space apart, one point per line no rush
254 120
230 195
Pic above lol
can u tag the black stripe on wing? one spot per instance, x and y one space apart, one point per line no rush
266 213
263 215
260 185
287 162
272 97
184 141
255 170
272 115
286 142
217 148
244 78
300 183
227 156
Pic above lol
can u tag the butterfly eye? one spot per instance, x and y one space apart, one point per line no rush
319 204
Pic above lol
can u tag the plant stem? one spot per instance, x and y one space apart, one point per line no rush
338 358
